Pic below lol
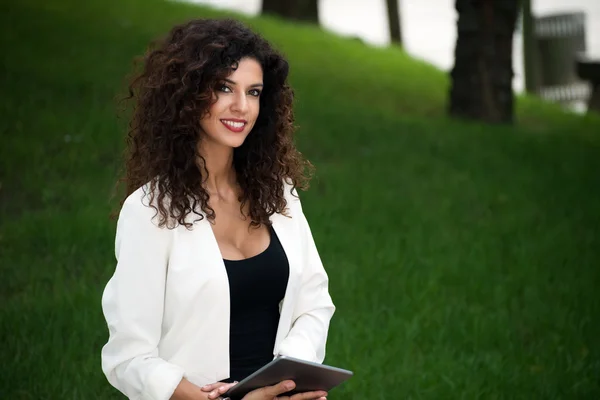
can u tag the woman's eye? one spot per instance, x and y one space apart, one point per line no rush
255 92
224 88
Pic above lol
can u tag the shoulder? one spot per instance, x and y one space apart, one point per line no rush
139 223
138 201
292 198
141 205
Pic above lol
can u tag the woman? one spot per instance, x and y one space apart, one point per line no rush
217 271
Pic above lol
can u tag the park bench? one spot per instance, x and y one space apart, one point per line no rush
564 71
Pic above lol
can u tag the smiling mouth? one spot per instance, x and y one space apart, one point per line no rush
234 126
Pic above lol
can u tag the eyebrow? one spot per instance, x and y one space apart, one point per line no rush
252 86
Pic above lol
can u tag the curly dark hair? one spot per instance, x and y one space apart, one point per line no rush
175 89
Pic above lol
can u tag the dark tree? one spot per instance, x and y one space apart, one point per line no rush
394 20
530 53
481 80
299 10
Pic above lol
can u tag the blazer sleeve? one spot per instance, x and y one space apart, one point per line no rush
314 307
132 304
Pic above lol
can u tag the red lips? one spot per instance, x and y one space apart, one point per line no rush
238 128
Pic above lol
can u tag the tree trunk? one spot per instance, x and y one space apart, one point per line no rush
298 10
481 87
530 53
394 21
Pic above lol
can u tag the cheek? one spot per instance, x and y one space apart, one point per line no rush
211 115
205 120
214 108
256 110
220 104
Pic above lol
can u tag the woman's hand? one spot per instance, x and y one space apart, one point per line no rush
273 392
188 391
217 389
266 393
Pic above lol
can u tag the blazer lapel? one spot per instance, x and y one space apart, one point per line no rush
285 229
215 275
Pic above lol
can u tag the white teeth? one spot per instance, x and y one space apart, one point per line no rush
233 124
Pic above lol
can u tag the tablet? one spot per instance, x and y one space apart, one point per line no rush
308 376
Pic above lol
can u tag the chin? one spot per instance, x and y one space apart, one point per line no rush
235 143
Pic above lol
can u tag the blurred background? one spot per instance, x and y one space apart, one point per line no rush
456 205
428 28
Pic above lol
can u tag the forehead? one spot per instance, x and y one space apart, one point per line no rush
248 71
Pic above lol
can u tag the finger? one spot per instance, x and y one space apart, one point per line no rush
212 386
281 387
220 390
225 388
316 395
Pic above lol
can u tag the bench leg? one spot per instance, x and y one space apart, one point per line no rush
594 101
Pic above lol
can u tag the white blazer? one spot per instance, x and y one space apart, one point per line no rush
167 304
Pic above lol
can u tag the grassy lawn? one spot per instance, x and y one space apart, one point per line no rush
464 259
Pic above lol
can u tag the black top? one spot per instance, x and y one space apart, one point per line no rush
256 285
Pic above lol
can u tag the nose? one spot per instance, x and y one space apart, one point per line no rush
240 103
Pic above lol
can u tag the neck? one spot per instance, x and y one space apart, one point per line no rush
219 164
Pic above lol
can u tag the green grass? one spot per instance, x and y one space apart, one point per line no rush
464 259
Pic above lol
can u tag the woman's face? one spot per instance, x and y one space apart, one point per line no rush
231 118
